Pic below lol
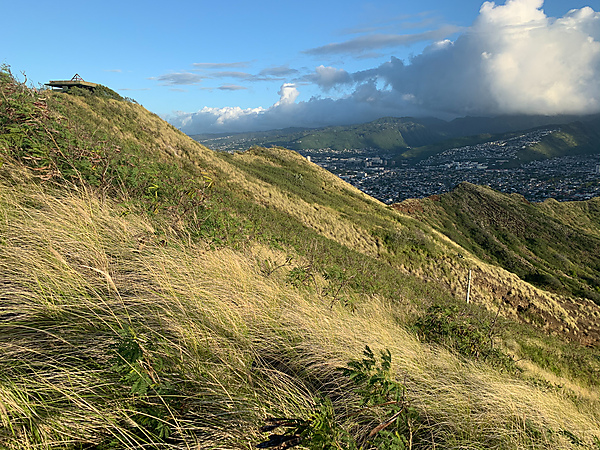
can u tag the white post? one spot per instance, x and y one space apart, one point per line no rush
469 287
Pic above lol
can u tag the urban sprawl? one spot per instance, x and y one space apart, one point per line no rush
493 164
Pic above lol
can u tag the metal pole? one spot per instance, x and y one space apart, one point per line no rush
469 287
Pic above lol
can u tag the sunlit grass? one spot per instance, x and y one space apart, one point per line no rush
121 327
224 346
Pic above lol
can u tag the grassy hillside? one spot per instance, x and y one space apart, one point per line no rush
573 139
156 294
556 251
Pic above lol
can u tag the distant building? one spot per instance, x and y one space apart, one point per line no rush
308 158
76 81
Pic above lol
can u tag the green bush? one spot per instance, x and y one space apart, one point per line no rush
97 91
462 332
379 394
33 133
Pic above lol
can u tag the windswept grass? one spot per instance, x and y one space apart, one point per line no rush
123 327
108 342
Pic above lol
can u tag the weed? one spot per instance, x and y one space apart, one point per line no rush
153 400
268 266
377 389
463 333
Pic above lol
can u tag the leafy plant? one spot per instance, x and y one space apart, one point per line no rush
463 333
153 399
378 388
320 431
375 386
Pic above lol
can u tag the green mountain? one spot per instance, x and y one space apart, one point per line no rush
552 245
157 294
573 138
417 138
384 135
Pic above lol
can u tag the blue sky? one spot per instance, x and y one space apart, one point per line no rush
236 66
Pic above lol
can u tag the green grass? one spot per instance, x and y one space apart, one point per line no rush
171 346
541 248
137 315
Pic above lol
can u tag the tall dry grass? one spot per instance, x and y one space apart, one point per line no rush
223 346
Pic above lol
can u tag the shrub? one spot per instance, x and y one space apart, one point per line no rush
463 333
377 390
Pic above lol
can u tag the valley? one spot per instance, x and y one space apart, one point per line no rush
397 159
493 164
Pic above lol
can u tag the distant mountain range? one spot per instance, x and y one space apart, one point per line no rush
414 138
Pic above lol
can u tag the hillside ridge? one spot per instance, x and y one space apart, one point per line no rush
157 294
411 138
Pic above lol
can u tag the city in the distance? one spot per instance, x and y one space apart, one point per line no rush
394 159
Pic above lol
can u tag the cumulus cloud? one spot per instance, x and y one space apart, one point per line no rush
512 60
215 120
328 77
366 103
287 95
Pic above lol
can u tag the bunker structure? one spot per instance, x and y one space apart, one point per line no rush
76 81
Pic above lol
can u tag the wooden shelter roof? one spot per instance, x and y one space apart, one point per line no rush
76 81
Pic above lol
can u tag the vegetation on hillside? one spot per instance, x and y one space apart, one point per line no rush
572 139
550 250
156 294
413 139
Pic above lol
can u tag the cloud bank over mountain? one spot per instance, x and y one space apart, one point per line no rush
512 60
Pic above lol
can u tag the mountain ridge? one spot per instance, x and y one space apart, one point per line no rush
157 294
398 135
541 243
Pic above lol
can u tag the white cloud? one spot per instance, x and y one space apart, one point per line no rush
179 78
288 95
367 103
215 120
328 77
512 60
